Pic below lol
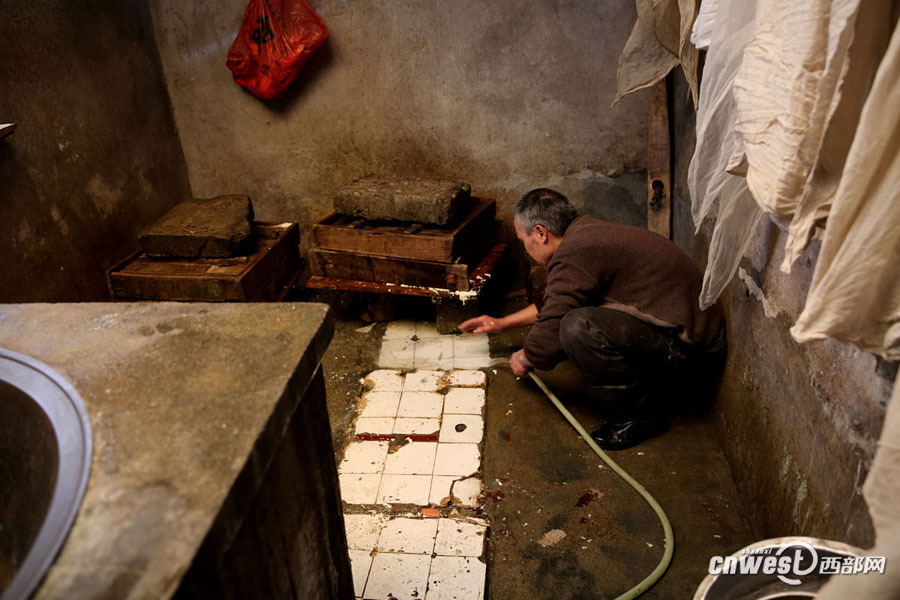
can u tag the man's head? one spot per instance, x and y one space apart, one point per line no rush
541 217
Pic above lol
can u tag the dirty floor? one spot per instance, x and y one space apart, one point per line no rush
559 523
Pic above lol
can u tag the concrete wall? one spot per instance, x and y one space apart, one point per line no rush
95 155
799 423
507 96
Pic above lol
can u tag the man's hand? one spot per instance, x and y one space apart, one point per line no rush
519 363
482 324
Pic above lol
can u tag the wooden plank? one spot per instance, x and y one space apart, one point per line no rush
467 242
351 285
659 179
477 279
384 269
273 252
276 285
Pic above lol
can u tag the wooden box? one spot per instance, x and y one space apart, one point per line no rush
466 243
271 262
384 269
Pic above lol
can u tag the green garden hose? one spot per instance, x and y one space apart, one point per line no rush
653 577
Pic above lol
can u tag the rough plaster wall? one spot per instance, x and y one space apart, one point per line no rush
799 423
507 96
95 155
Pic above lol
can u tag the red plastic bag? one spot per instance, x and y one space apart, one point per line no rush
276 39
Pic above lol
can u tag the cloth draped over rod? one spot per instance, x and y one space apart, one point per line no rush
787 127
659 41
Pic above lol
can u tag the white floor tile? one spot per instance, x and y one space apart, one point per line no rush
470 346
376 425
401 576
396 354
417 425
457 459
412 536
415 458
385 380
434 363
472 362
459 538
363 530
440 489
426 330
467 378
400 330
423 381
364 457
456 578
404 489
379 404
420 404
357 488
466 401
467 491
434 348
461 429
360 562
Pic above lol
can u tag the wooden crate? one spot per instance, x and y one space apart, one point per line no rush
476 280
385 269
466 243
262 275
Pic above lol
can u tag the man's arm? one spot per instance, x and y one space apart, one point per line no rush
569 286
489 324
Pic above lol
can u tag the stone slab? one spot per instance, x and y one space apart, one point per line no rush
200 227
188 404
427 201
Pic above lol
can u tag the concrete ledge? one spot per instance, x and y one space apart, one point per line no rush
188 403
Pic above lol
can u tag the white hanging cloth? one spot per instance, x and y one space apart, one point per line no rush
659 41
716 193
771 86
855 290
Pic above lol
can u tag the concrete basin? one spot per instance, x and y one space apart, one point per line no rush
45 458
212 472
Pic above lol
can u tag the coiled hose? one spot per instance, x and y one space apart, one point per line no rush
657 573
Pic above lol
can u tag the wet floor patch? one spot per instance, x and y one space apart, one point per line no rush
416 345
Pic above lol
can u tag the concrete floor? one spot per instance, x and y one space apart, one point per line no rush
540 476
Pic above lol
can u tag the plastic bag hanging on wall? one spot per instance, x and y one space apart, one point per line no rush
276 39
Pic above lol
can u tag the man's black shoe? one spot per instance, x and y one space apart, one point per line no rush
621 434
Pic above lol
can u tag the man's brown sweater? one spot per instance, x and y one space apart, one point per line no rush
599 263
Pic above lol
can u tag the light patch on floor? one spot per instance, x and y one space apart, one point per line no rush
416 442
412 345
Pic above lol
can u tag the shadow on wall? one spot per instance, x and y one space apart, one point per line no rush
621 199
309 76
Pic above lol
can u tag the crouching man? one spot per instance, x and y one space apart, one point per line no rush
622 304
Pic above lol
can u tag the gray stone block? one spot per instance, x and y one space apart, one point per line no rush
200 227
428 201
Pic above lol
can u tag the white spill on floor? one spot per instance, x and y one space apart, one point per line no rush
417 442
413 345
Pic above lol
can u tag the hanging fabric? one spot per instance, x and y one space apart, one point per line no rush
855 290
716 193
659 41
874 27
772 87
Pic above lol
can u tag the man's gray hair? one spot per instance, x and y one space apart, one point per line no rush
546 207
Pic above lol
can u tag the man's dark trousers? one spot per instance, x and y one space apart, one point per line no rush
635 368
